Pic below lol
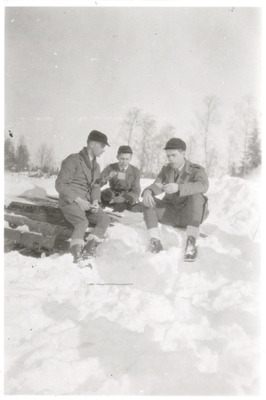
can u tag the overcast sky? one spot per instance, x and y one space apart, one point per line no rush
71 70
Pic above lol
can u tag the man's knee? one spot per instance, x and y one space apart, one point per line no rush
136 208
107 195
120 207
157 204
196 199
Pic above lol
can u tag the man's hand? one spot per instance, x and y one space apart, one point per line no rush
112 174
148 199
95 206
170 188
84 205
118 199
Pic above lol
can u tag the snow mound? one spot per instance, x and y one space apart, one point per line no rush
234 205
140 323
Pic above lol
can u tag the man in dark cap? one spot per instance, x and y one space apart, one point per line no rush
183 205
78 185
124 182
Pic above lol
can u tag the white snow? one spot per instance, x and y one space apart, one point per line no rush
139 323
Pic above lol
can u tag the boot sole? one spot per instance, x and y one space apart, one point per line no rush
187 260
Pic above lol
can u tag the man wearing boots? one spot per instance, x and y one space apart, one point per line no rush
183 205
78 185
124 182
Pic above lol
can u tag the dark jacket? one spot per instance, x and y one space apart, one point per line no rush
192 180
77 179
128 187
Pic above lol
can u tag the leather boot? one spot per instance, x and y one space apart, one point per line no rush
76 252
155 245
89 249
191 249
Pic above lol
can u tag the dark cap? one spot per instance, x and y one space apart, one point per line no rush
124 149
97 136
175 143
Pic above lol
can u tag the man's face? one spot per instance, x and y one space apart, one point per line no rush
124 159
97 148
175 157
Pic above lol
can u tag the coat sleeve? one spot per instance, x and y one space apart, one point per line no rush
133 194
96 194
157 185
64 179
96 186
200 183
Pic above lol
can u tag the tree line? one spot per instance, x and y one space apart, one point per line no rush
223 147
18 159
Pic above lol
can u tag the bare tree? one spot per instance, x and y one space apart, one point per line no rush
145 148
231 153
191 147
131 123
204 124
45 159
10 159
22 155
252 155
244 123
166 132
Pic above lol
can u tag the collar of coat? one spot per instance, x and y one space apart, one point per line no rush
85 157
186 170
116 167
186 167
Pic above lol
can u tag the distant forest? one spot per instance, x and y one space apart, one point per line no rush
238 155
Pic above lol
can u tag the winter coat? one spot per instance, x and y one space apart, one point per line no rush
78 178
128 187
192 180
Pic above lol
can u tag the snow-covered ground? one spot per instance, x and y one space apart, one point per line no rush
140 323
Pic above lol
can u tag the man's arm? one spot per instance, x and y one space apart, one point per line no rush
200 184
157 186
64 179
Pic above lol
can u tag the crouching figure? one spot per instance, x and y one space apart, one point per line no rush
124 183
183 205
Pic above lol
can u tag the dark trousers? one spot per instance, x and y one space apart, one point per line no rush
189 212
108 195
80 221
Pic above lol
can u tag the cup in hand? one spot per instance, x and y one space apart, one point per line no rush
121 176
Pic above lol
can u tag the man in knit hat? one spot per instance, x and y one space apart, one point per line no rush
124 183
78 185
183 205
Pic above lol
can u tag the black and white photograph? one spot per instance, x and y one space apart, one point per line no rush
132 199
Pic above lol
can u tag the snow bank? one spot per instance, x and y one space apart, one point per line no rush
233 202
139 323
234 205
136 324
16 184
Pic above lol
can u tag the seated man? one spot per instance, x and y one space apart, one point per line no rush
183 205
124 182
80 194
